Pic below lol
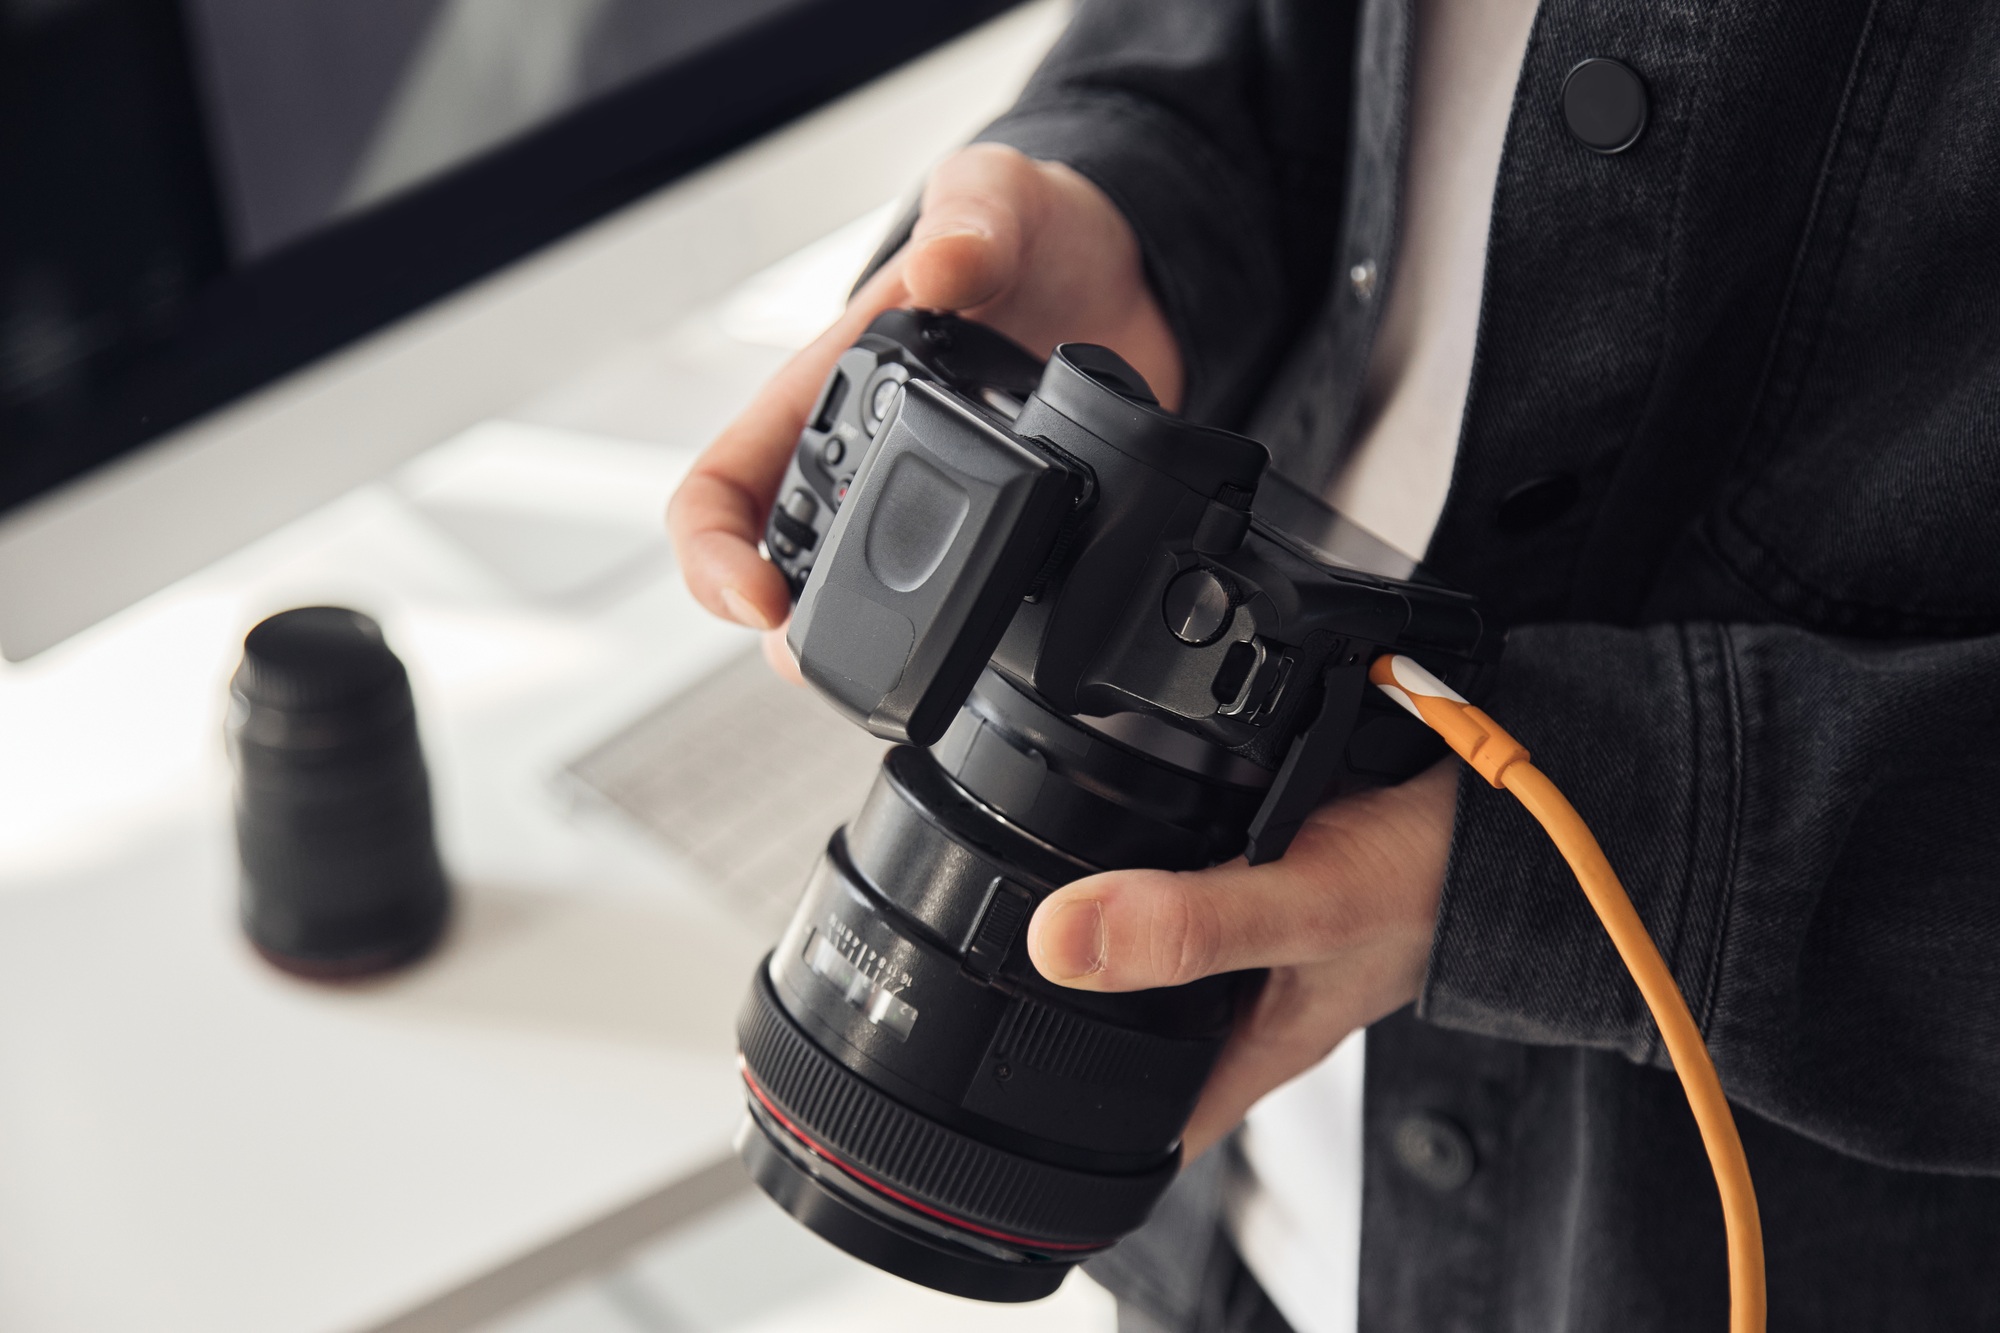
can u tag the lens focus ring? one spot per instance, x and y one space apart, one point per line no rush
911 1154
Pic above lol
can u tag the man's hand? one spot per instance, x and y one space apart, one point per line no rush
1031 248
1344 921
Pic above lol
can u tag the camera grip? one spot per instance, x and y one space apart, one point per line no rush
947 521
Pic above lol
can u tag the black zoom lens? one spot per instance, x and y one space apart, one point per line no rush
918 1094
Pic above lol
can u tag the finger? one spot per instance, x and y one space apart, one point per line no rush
1240 1079
778 656
715 523
966 248
717 515
1294 1023
1365 870
1041 253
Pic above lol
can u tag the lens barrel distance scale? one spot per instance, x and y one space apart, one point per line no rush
1097 650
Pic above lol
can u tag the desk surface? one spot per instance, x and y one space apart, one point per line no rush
190 1141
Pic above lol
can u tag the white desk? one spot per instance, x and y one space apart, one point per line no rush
190 1141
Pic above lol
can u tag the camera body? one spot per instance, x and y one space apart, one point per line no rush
1108 558
859 395
1104 637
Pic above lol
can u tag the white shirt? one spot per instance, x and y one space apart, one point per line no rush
1296 1216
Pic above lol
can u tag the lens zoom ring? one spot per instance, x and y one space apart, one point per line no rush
915 1155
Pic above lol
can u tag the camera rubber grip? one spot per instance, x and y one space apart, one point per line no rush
948 520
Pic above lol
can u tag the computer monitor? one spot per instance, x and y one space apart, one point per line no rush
206 196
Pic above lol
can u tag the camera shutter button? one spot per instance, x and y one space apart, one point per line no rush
1197 606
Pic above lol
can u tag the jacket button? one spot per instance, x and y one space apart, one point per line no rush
1362 279
1604 104
1538 503
1435 1151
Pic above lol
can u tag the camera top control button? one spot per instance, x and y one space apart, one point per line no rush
879 394
884 399
792 522
1197 606
801 505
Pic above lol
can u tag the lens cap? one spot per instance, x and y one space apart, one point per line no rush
341 876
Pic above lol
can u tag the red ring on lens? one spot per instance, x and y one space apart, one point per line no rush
819 1150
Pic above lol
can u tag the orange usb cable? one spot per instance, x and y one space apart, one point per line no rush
1503 761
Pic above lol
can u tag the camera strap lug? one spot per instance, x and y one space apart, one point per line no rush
1225 523
1310 765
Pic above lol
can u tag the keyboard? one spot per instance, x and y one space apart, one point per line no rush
743 775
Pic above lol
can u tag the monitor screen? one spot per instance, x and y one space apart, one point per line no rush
318 108
203 195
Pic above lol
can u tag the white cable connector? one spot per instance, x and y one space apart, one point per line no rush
1482 742
1411 678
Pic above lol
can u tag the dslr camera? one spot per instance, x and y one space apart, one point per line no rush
1101 637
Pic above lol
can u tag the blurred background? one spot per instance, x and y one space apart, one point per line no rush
422 307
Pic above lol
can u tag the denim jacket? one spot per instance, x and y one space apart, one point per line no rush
1747 374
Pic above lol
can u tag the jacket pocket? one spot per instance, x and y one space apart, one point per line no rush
1867 498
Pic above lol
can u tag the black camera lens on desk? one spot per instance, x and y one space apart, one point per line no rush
1104 639
341 877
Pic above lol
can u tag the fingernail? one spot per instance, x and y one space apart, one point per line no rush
742 612
950 234
1071 942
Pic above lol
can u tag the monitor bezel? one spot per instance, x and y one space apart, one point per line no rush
284 311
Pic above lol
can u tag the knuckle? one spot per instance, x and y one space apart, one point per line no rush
1017 170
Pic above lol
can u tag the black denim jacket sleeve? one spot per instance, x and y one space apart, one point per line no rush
1809 824
1218 128
1758 650
1810 828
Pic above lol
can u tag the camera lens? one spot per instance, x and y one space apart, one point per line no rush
917 1093
341 876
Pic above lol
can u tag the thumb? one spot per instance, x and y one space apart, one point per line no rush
1363 878
966 247
1136 929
